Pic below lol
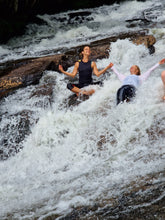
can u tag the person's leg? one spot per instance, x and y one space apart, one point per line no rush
75 88
88 92
163 80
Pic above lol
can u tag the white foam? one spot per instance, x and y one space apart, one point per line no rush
75 156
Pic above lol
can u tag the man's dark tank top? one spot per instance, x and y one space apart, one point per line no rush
85 73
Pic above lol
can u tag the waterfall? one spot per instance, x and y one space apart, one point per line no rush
76 156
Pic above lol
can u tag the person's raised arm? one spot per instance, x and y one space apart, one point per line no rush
98 73
120 76
74 72
145 75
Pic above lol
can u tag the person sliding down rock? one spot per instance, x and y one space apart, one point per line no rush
85 67
132 82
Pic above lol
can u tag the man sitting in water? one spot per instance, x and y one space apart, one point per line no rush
85 68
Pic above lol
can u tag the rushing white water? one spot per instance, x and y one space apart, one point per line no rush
80 27
77 156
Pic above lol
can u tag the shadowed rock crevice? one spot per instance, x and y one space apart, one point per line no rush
13 133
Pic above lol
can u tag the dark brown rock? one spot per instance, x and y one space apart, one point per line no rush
44 94
15 132
75 100
138 201
26 74
146 40
43 90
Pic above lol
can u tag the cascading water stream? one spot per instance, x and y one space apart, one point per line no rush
76 156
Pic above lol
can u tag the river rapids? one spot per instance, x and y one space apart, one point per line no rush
78 156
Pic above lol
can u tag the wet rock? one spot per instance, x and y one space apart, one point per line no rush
137 201
74 100
79 17
14 129
8 66
156 131
27 74
44 94
147 18
103 139
43 90
142 199
146 40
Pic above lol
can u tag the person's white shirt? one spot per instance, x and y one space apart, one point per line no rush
134 80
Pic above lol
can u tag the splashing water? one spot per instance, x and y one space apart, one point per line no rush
76 156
